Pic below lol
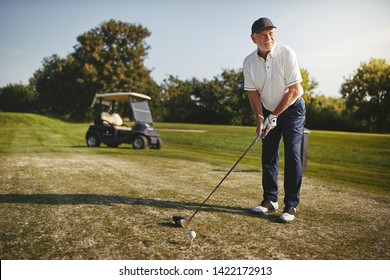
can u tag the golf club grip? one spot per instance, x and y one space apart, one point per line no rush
231 169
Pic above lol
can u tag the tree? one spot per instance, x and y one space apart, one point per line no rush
108 58
177 100
308 85
323 112
327 113
17 98
56 83
236 106
111 57
367 95
221 100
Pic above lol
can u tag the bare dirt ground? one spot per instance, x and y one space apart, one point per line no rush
118 207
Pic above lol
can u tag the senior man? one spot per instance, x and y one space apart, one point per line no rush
272 78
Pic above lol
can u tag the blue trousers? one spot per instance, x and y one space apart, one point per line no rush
290 126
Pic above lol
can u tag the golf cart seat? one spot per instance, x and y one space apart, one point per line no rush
113 120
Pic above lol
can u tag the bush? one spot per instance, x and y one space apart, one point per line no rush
17 98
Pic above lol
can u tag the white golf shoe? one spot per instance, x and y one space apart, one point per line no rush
289 213
265 207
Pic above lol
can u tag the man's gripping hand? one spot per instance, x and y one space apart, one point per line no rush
270 122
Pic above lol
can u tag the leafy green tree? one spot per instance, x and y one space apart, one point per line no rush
324 113
221 100
177 101
236 103
56 83
108 58
111 57
328 113
309 84
367 95
17 98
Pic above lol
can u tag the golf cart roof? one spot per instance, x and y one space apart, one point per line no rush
118 96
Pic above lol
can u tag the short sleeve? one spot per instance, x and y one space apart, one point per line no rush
248 82
292 70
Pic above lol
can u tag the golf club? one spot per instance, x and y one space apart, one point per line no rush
181 221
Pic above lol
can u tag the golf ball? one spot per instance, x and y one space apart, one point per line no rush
192 234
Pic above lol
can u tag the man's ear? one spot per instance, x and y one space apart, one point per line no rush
253 39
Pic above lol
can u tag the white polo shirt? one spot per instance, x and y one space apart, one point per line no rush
272 77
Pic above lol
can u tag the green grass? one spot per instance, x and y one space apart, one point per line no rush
62 200
347 159
351 159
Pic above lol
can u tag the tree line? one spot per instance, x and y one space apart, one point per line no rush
110 58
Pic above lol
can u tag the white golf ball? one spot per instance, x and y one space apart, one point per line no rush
192 234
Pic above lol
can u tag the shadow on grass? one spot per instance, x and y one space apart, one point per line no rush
123 146
238 170
109 200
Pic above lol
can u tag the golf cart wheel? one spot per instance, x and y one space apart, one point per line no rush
140 142
93 140
159 144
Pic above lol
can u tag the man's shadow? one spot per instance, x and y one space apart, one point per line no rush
109 200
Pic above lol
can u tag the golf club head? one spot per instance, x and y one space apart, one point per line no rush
181 221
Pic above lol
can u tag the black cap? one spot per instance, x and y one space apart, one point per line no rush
261 24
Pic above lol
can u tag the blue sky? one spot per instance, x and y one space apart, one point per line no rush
200 38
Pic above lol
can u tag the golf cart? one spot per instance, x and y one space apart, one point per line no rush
109 128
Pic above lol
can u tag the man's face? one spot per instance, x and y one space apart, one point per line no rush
264 39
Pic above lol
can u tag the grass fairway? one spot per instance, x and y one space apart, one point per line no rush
62 200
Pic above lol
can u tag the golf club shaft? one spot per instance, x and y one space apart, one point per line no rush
231 169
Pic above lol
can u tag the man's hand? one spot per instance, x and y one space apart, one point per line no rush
259 128
270 123
260 123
